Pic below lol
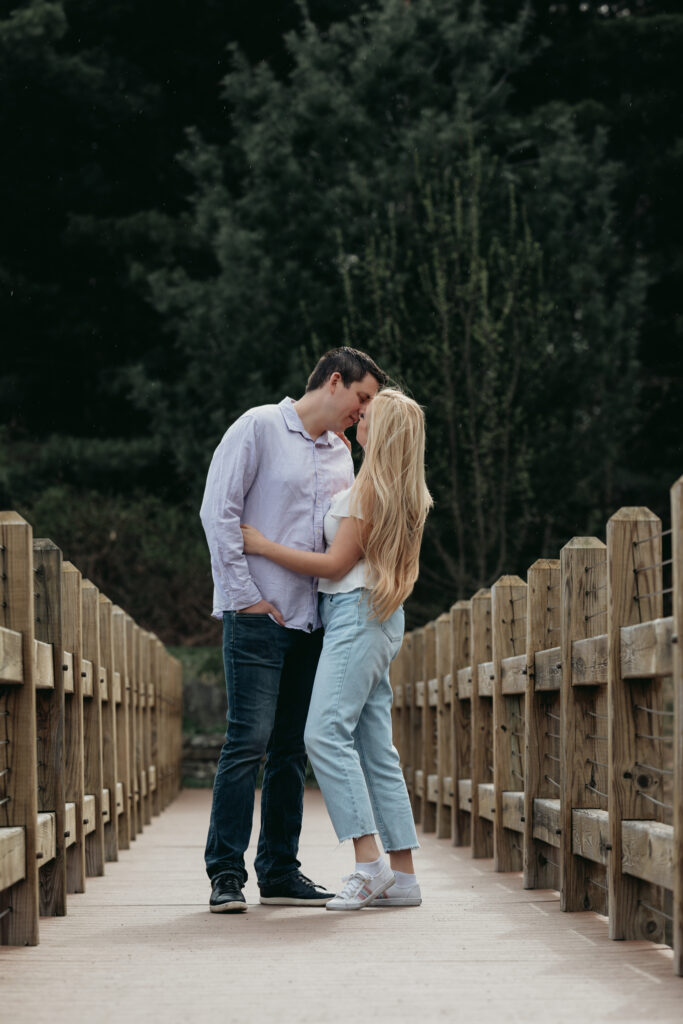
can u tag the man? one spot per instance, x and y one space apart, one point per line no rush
276 468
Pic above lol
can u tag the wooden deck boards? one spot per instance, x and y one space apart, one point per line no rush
140 945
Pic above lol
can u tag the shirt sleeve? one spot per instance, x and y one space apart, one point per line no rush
341 506
231 474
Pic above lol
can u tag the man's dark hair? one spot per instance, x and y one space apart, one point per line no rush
350 363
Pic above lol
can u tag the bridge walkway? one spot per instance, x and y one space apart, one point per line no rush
140 945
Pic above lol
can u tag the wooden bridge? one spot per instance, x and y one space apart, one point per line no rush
541 724
541 730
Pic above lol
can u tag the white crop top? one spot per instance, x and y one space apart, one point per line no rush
356 577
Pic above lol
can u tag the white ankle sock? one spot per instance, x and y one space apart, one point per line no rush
402 878
372 867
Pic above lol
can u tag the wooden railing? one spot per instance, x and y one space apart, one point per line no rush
541 723
90 730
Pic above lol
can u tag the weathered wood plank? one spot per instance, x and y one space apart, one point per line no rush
43 668
70 831
513 673
583 743
509 599
634 586
444 727
513 811
482 720
541 721
548 669
46 844
648 851
11 656
487 801
20 786
12 857
465 682
429 765
465 794
68 670
90 805
485 679
590 834
546 824
51 723
461 717
589 661
646 649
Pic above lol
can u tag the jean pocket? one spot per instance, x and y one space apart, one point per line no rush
394 625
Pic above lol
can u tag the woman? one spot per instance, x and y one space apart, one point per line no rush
373 531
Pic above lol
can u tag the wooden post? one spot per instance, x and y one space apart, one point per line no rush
419 782
541 724
583 744
122 720
131 689
19 783
444 728
109 745
677 556
74 787
508 618
634 594
482 722
157 655
145 734
461 724
429 767
50 718
92 729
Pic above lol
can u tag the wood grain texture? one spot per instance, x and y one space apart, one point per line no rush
92 730
122 726
74 777
634 584
508 628
646 649
19 783
461 715
444 728
429 738
11 656
482 721
582 779
108 713
589 661
541 720
50 706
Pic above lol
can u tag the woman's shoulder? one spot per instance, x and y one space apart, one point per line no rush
340 504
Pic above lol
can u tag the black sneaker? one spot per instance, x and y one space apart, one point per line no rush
226 895
295 891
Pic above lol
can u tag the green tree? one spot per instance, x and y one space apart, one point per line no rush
479 259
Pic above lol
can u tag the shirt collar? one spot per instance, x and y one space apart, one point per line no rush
293 423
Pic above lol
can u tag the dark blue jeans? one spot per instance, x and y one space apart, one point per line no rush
269 673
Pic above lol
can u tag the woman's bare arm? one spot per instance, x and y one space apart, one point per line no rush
346 549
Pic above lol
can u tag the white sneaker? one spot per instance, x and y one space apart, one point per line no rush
399 896
360 888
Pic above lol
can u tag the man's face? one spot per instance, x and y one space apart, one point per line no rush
346 404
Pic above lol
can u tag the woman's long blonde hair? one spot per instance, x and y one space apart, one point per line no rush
391 495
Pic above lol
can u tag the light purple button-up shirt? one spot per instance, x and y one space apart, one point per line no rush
269 472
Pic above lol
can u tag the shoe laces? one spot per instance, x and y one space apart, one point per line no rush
353 884
307 881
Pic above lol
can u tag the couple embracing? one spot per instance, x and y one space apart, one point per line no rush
296 543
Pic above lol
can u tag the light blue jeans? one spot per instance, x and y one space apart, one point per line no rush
348 731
